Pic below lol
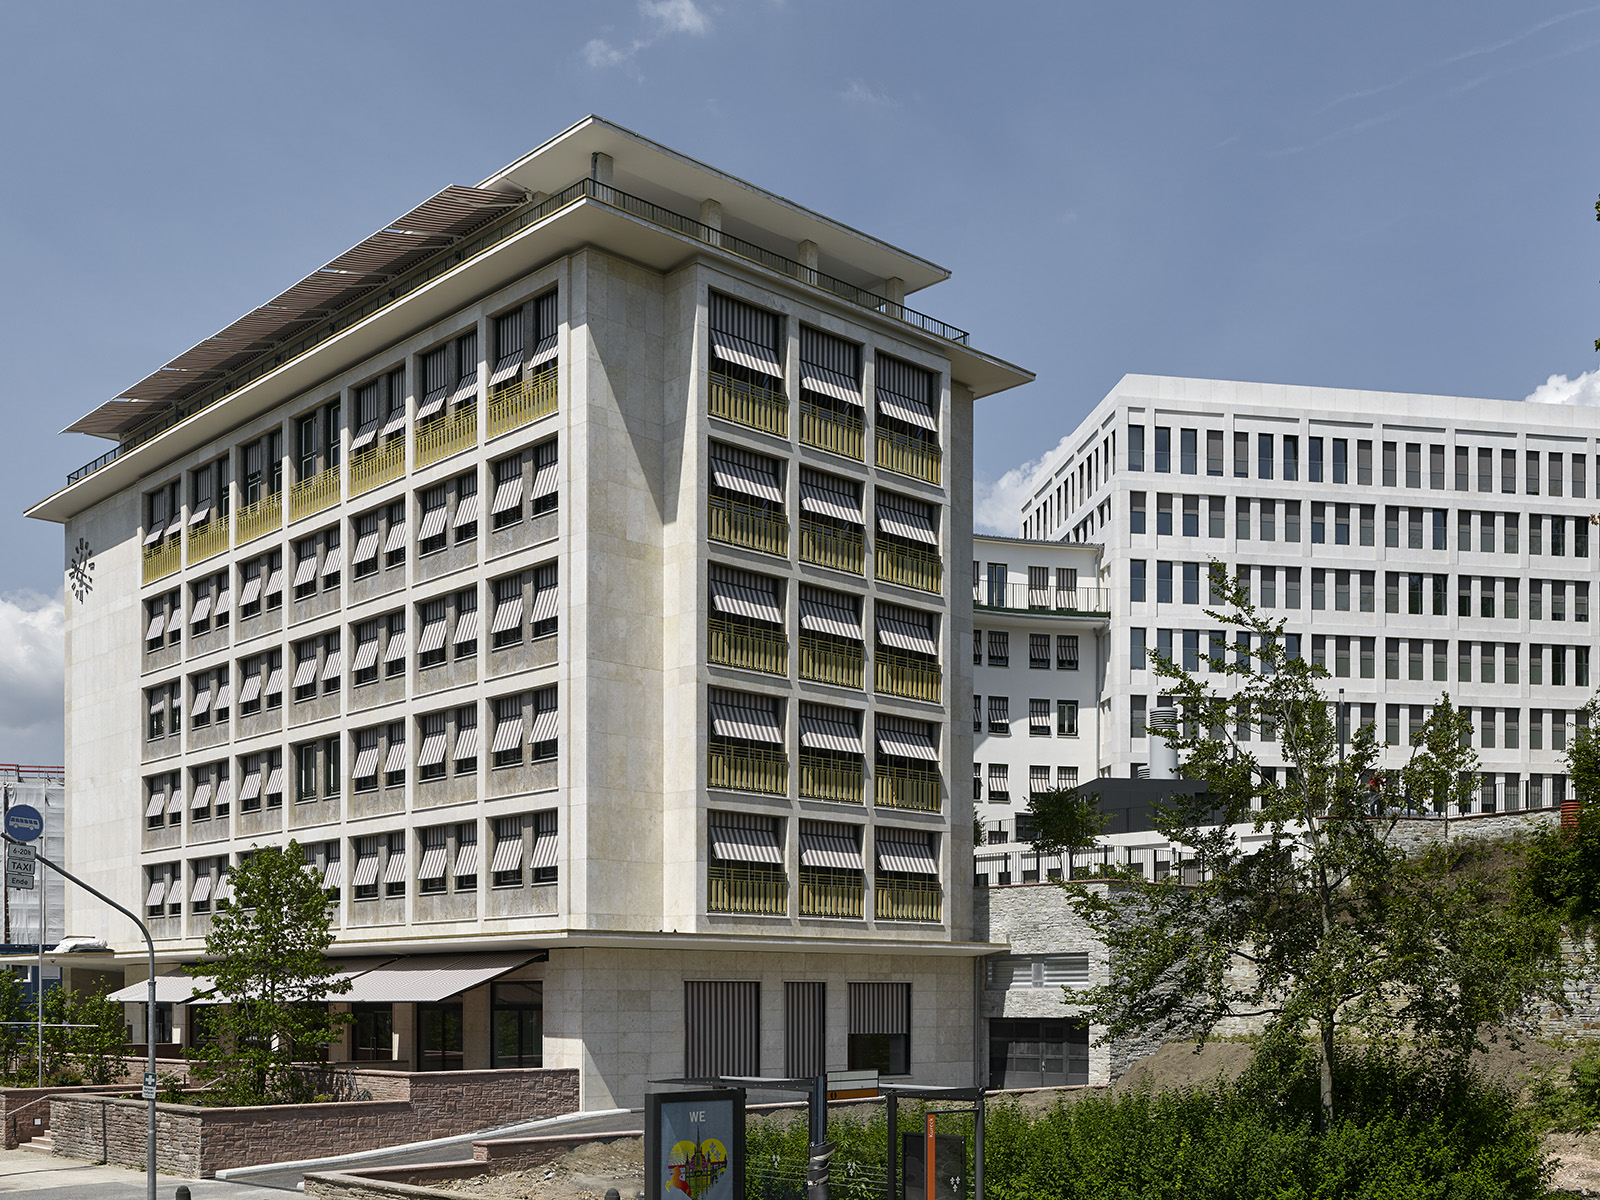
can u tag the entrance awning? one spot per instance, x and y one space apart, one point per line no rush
429 978
170 989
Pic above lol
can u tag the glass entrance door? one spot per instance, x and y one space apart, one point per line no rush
439 1037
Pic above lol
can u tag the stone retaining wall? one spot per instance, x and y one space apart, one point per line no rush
197 1142
518 1154
20 1107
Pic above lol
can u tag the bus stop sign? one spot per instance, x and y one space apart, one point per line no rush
23 822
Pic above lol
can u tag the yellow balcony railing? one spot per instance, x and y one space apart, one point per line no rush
448 435
208 539
906 787
380 465
842 664
744 404
907 456
741 524
904 900
735 888
162 560
830 431
524 402
313 495
907 567
830 895
262 517
830 779
913 678
840 549
750 647
747 769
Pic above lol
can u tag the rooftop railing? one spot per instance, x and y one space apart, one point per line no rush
491 235
1019 597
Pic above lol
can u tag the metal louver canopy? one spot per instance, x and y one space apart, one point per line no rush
371 263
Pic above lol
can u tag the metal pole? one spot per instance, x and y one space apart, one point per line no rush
38 995
150 1013
892 1116
977 1151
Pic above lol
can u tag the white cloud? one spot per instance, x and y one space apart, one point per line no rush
32 677
997 506
665 17
861 93
1558 389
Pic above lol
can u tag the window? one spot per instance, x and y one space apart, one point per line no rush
433 864
1039 651
1291 457
507 746
1163 456
305 772
999 648
1067 644
465 870
1263 456
1136 514
546 477
516 1023
1136 580
545 723
1000 716
364 667
1341 460
1363 463
1508 472
508 623
1214 452
1135 447
465 521
999 783
364 878
1067 718
1391 475
465 638
1191 516
506 865
1188 452
394 544
1163 583
364 558
880 1028
1241 455
430 642
1039 718
1163 514
506 508
546 595
1314 459
364 774
431 533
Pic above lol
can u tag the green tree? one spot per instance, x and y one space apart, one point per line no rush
1317 924
98 1039
267 957
14 1036
1563 869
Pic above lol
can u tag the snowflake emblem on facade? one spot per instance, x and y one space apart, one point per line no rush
81 571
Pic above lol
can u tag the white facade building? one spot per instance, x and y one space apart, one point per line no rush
568 568
1039 645
1416 545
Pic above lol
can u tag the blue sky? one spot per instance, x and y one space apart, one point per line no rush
1358 195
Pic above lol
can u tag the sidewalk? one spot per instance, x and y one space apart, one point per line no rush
46 1177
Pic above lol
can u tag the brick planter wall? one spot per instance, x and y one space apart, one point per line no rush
20 1106
198 1142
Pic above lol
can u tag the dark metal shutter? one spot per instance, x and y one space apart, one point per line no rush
805 1040
721 1028
880 1008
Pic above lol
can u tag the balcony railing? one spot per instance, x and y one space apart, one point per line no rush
904 900
380 465
208 539
842 664
830 779
749 647
747 769
523 403
741 524
913 678
745 404
826 546
831 431
907 567
823 895
734 888
907 787
907 456
1019 597
313 495
256 519
448 435
163 559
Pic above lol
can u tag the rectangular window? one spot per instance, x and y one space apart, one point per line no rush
1413 464
880 1028
1135 447
1264 456
1136 512
1241 456
1508 472
1241 518
1191 516
1067 717
1369 584
1291 457
1163 514
1214 452
1341 460
1218 514
1136 588
1163 583
1485 470
1163 462
1314 459
1067 647
1136 649
1188 451
1436 467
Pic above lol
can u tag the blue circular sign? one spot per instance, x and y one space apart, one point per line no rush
23 822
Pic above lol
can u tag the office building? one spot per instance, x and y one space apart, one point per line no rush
567 567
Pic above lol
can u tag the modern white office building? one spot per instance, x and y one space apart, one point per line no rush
572 569
1415 545
1040 641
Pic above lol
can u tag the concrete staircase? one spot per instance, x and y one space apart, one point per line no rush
39 1143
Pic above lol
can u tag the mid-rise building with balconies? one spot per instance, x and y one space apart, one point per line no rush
565 569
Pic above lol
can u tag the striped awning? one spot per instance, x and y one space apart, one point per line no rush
251 787
742 715
157 624
742 471
745 595
275 581
170 989
904 391
157 804
466 507
507 495
395 650
252 589
825 728
547 477
905 629
830 496
905 739
830 365
466 857
432 752
507 613
507 734
202 606
305 569
396 541
546 843
829 844
466 626
433 863
546 596
366 872
905 518
433 631
507 851
822 611
366 546
332 664
366 654
394 870
332 560
761 359
202 792
395 760
546 720
275 679
902 850
466 742
743 837
366 762
433 519
202 699
466 387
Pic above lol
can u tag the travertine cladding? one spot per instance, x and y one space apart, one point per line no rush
198 1142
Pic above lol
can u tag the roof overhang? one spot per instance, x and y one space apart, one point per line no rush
582 223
